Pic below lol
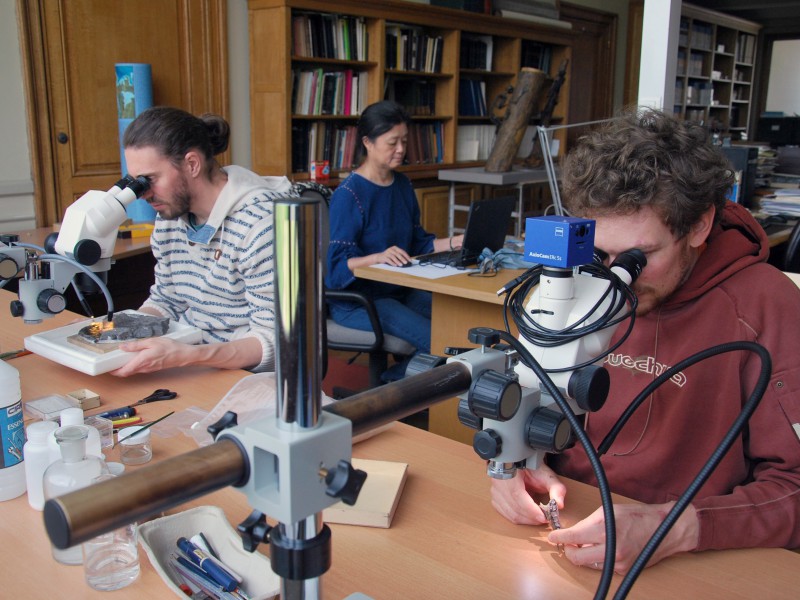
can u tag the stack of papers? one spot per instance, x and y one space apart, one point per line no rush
785 201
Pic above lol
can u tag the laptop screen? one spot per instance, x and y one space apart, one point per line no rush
487 225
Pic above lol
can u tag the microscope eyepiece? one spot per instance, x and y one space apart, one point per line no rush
632 261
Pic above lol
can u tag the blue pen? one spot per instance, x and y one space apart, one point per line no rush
118 413
201 559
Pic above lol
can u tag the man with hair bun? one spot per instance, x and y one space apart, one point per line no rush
213 244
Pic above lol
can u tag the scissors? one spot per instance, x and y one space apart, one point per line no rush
159 394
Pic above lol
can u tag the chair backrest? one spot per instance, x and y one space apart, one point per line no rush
791 260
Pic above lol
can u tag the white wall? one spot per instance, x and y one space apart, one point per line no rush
783 93
16 183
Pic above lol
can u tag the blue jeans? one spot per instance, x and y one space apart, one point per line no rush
408 318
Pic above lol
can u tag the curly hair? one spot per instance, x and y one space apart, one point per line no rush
647 158
174 132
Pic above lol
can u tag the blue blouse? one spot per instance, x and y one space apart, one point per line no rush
367 218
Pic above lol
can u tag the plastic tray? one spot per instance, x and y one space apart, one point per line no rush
159 537
53 344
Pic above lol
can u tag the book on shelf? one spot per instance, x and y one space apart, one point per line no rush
377 502
322 35
536 55
472 98
323 140
410 48
416 96
476 52
319 92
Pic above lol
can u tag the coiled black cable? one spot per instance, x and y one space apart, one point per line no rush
619 295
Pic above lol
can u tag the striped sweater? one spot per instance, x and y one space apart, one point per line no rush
220 278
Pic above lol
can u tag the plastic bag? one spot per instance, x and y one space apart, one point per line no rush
251 398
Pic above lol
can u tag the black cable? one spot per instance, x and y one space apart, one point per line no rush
518 290
730 437
602 482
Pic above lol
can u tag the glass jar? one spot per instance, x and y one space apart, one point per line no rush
73 471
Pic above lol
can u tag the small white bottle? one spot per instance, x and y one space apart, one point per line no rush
12 434
74 416
37 458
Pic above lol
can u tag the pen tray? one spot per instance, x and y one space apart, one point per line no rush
159 537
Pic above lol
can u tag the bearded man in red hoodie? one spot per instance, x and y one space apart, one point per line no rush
654 183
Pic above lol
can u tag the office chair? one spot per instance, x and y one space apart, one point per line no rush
791 260
376 344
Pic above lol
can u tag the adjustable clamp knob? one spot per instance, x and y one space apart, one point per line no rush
344 482
254 531
485 336
229 419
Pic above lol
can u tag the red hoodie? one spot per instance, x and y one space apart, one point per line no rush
752 499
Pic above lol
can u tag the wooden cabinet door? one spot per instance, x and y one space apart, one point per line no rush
70 48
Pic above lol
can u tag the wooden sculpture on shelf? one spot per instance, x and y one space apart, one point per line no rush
518 114
535 159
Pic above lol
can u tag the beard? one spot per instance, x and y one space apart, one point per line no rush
180 203
653 296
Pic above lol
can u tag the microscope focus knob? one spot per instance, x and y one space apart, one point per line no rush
8 267
485 336
487 444
466 417
422 362
51 301
548 430
87 252
589 386
494 395
344 482
17 308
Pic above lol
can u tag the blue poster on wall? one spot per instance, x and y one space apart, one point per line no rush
134 95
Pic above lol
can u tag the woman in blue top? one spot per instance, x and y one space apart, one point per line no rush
375 218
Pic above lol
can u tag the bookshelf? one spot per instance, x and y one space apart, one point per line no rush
714 75
314 65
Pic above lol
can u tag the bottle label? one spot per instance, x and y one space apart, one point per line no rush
12 434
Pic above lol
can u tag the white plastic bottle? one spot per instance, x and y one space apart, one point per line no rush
74 416
37 459
12 434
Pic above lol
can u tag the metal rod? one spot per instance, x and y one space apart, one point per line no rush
298 289
387 403
86 513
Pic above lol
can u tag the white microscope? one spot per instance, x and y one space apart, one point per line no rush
81 249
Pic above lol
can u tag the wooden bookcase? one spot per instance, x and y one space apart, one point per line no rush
714 75
274 67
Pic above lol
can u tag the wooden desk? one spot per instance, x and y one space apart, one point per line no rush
446 541
460 302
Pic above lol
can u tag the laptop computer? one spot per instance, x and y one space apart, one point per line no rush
487 224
